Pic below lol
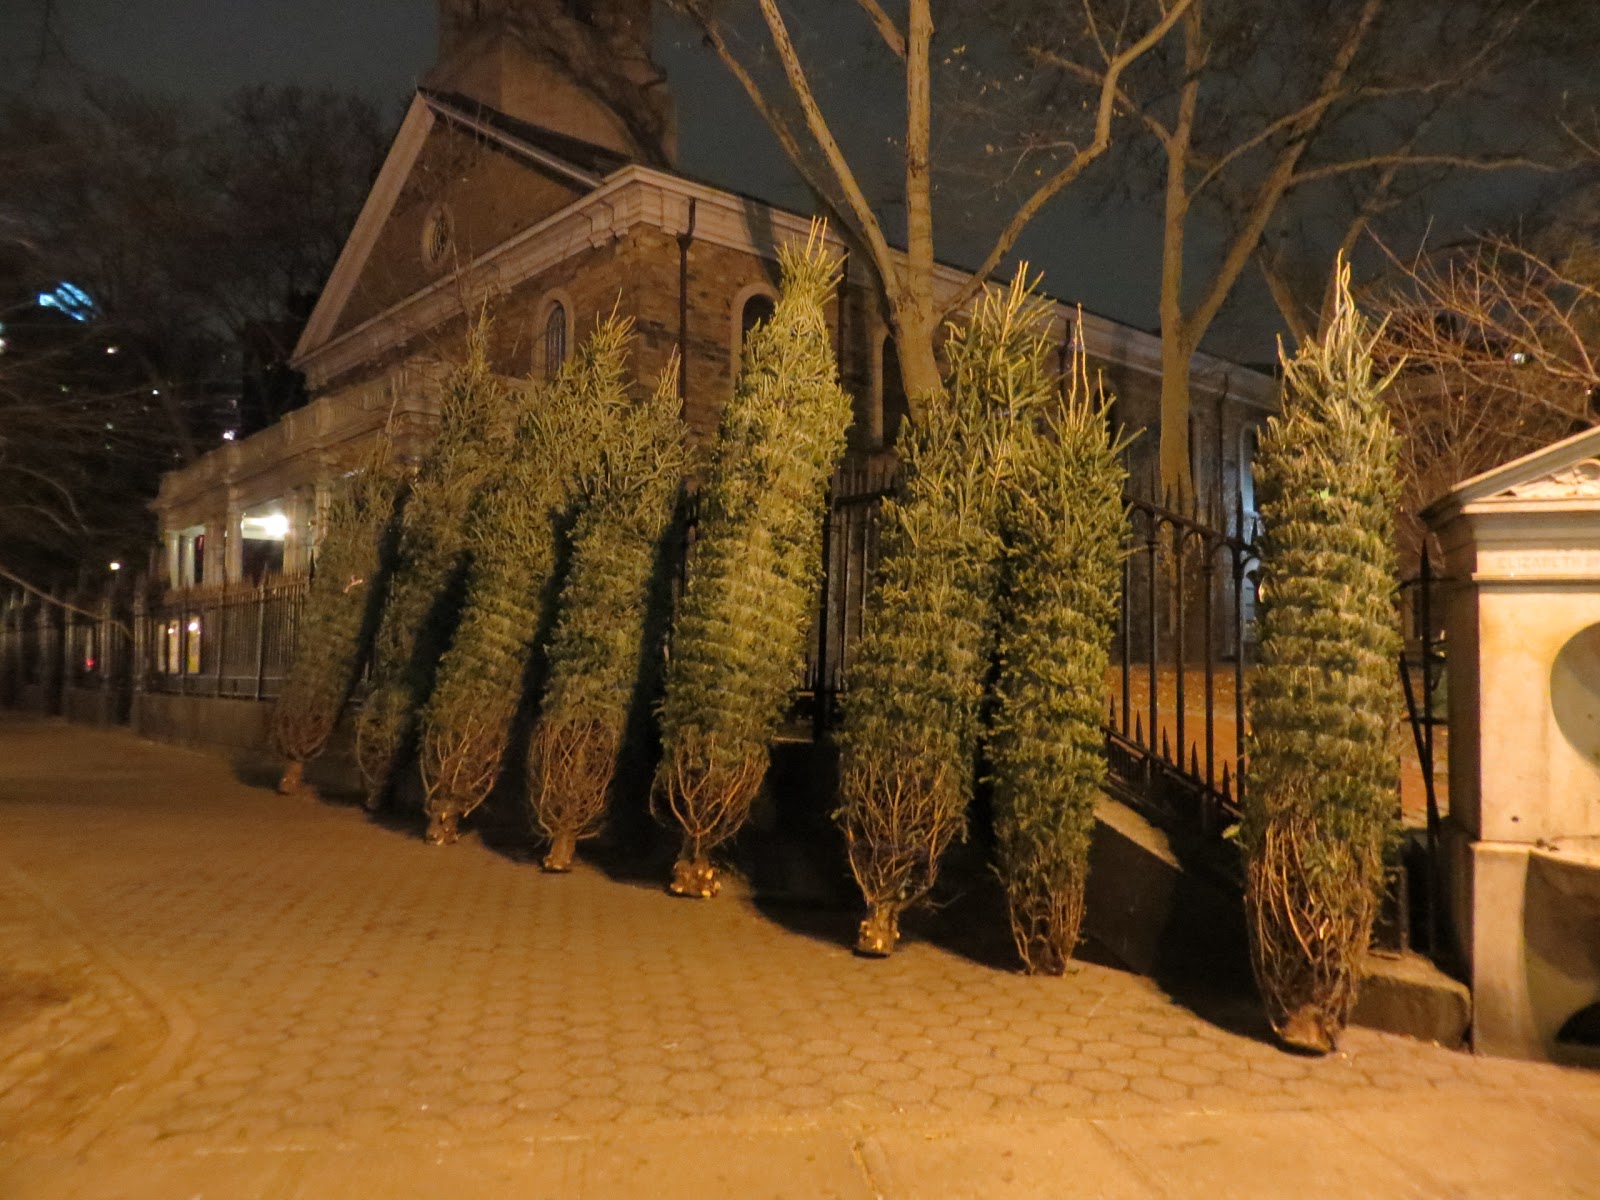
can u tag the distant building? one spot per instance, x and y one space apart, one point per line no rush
532 175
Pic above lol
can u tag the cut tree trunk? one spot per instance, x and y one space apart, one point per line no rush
694 876
292 781
558 860
443 829
880 932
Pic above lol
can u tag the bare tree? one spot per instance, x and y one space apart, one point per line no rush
816 144
183 235
1501 348
1256 111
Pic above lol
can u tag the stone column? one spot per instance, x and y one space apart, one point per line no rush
297 539
174 544
232 545
321 507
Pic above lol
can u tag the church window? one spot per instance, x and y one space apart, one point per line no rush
757 310
438 236
1248 445
555 339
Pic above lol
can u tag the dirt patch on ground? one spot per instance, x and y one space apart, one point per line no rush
26 994
71 1030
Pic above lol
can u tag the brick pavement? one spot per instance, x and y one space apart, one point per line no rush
206 977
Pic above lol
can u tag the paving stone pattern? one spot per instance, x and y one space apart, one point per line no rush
339 982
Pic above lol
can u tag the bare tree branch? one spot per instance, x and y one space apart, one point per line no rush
1105 110
884 23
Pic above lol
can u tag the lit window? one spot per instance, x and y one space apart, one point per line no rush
555 339
68 298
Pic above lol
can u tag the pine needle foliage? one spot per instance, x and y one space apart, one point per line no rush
1322 800
424 596
738 643
515 534
1062 519
915 689
341 609
606 643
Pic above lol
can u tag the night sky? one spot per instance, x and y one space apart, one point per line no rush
200 50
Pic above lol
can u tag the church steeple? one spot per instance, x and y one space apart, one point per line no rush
579 67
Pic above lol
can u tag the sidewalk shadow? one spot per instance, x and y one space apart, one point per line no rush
1203 961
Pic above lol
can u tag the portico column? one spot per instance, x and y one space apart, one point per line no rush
173 544
233 545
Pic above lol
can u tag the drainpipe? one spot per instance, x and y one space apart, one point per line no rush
685 240
844 299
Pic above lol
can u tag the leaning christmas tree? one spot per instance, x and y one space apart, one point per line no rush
738 644
1322 799
341 608
514 535
1062 520
604 652
909 740
425 591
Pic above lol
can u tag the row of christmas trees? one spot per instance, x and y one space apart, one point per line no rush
529 557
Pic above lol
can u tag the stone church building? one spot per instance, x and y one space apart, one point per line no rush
533 175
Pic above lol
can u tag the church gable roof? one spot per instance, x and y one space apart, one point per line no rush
458 179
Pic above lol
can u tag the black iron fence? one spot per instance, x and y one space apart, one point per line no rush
55 650
234 642
1176 694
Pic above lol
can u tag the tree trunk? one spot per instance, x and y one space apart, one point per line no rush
919 366
914 308
1177 481
693 875
880 932
293 779
562 848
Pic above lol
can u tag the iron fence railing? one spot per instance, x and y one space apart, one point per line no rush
1175 697
235 642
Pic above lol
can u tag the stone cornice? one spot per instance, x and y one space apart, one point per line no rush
637 195
304 436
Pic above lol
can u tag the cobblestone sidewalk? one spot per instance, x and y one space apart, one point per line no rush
194 968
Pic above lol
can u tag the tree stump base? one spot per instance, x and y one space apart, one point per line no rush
694 878
442 831
293 780
1307 1030
879 934
558 861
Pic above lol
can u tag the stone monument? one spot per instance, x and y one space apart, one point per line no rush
1521 843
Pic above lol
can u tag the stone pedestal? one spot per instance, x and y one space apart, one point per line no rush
1522 842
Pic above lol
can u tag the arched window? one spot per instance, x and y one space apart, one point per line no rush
555 339
758 310
1248 445
895 407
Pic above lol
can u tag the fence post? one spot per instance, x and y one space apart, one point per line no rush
141 640
222 634
261 640
64 670
105 658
